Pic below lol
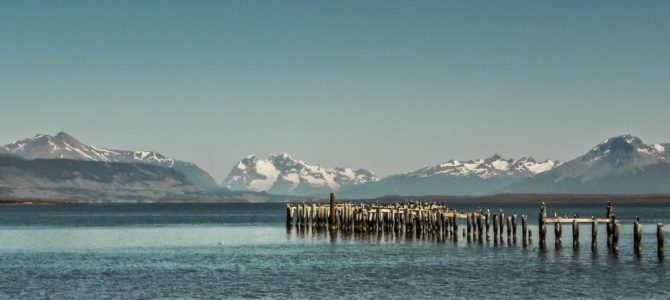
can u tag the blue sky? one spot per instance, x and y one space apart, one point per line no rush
386 85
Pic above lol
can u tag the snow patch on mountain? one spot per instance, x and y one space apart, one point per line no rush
487 168
281 173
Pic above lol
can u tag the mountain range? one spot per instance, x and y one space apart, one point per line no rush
472 177
61 167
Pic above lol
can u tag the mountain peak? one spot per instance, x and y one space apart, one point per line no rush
619 148
63 135
283 155
494 157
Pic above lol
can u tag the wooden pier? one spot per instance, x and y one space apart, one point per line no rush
411 219
439 222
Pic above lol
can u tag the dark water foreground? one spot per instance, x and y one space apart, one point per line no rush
245 251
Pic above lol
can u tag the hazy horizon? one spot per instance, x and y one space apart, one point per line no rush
390 88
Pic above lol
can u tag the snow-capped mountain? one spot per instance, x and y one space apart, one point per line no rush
622 165
487 168
282 174
64 146
454 177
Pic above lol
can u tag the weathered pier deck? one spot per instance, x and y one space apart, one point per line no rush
440 222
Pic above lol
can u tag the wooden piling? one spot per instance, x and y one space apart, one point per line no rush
468 220
524 230
455 224
501 226
594 235
543 227
495 228
615 234
637 236
558 242
610 225
660 237
487 222
289 216
509 229
514 227
575 234
480 227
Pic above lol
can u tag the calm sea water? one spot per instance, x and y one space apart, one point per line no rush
245 251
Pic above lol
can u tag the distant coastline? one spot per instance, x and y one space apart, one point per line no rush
34 202
535 198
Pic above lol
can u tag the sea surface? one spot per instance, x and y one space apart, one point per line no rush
245 251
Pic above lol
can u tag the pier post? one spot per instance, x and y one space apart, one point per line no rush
594 235
575 234
558 233
610 225
380 225
495 228
333 212
469 226
514 228
480 227
615 235
543 226
487 222
455 220
289 217
637 236
509 230
660 237
501 226
524 230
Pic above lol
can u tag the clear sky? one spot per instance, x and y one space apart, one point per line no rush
386 85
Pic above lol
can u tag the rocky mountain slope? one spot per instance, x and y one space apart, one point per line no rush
89 181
